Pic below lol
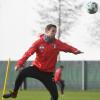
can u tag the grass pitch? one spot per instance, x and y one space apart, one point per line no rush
44 95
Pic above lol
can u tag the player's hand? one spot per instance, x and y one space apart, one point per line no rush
78 52
16 68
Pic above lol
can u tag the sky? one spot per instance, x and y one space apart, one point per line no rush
18 19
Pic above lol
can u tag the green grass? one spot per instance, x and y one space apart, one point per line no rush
69 95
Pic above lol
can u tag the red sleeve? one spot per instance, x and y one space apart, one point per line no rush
27 54
67 48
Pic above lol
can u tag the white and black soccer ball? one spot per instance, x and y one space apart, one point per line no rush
92 7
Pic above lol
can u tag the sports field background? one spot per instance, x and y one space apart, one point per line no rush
72 74
69 95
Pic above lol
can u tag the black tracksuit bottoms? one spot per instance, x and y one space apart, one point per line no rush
45 77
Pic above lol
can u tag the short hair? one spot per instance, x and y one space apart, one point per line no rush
61 66
48 27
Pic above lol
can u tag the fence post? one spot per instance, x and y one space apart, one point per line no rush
83 75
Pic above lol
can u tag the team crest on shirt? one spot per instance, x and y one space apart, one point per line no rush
41 48
54 45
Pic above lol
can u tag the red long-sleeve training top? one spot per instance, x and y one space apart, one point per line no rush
46 54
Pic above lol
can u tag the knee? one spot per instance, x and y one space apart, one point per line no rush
22 74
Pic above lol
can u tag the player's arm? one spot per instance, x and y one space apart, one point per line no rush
68 48
27 54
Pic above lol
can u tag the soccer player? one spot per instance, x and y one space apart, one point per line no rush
58 78
47 47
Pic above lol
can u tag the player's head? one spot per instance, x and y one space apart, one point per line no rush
51 30
61 66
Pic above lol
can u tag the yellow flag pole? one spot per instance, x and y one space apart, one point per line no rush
6 77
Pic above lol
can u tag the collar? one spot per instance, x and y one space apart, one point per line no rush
48 39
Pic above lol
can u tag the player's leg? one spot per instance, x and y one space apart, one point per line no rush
62 86
27 72
51 86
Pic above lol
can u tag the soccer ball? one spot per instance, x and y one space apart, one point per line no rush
92 7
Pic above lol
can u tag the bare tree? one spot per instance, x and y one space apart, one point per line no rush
60 12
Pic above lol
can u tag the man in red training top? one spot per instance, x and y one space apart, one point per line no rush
58 79
47 48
